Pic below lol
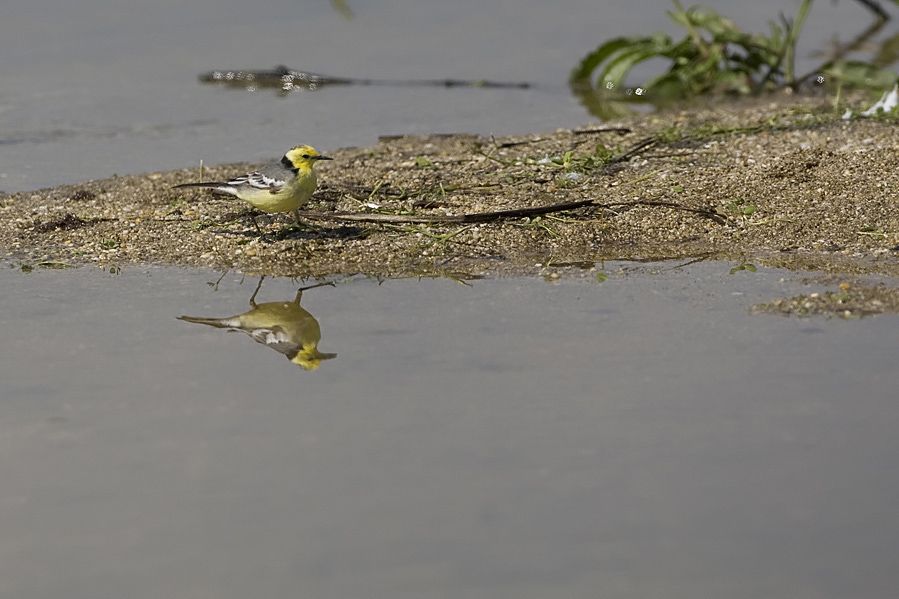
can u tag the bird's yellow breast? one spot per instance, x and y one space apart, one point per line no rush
293 195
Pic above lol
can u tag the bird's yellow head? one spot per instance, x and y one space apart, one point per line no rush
302 158
309 358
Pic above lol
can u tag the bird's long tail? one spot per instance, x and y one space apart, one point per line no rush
212 184
220 323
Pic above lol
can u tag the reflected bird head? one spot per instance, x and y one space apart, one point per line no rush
309 358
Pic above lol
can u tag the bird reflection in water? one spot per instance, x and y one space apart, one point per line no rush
286 327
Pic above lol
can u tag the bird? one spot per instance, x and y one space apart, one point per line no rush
278 186
286 327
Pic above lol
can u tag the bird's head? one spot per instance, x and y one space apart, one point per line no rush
309 358
302 158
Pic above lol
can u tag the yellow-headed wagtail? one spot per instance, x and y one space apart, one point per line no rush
278 186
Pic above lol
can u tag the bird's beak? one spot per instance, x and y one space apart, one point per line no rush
324 158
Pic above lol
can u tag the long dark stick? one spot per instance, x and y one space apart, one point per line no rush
486 217
476 217
874 7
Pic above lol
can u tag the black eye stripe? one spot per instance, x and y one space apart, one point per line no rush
287 162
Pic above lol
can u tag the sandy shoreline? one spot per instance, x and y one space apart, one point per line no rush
786 184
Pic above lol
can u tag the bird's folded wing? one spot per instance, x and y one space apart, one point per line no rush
259 181
276 339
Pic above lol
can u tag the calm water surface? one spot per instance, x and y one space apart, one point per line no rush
97 87
643 437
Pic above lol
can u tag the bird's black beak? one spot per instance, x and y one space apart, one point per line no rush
324 158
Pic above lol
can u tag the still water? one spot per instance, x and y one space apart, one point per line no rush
98 87
643 437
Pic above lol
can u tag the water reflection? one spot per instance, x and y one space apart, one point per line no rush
285 326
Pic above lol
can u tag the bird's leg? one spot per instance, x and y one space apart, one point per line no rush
300 291
256 224
258 287
298 222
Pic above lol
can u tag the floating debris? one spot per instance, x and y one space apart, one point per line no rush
287 80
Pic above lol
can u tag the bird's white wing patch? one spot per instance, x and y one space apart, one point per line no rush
260 181
274 338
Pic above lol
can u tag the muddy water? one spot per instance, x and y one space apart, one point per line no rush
640 437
